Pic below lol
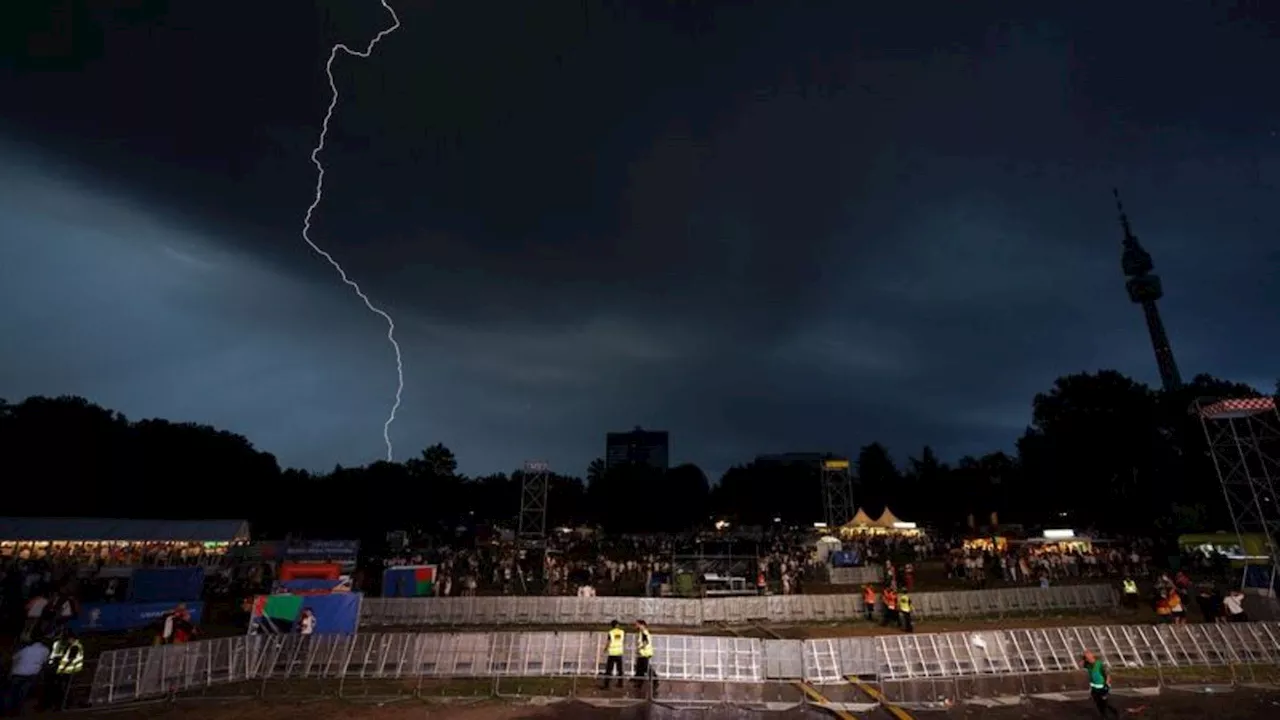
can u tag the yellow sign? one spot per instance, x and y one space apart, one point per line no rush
835 464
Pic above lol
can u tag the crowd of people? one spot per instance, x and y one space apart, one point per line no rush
979 564
622 565
779 562
92 556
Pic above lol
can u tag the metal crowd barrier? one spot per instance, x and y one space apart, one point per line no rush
148 672
160 670
670 612
1005 652
873 574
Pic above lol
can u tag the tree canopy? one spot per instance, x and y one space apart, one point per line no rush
1101 450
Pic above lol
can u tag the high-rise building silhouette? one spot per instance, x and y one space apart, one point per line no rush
1144 289
638 447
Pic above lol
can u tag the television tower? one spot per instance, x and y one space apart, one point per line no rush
1144 289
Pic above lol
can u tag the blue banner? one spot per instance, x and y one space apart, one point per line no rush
119 616
843 558
171 585
399 582
337 614
1257 576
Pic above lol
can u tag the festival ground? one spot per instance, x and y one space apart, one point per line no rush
1239 704
856 628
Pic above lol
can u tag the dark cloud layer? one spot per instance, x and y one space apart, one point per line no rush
762 228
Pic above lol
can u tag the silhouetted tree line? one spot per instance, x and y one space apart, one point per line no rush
1102 450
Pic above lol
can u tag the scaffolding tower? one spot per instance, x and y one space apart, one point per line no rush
1244 442
837 492
532 526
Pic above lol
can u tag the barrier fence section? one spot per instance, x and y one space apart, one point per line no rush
1044 650
156 671
671 612
148 672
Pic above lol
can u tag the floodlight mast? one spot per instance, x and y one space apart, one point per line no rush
532 525
1244 438
837 493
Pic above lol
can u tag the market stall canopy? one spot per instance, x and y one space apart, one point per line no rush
860 519
122 530
887 519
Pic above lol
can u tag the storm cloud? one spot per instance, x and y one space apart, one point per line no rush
761 228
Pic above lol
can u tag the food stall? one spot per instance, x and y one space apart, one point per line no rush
986 543
1064 540
1242 549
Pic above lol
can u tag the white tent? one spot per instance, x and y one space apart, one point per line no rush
827 545
860 519
887 519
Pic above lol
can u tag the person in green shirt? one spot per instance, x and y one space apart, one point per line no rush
1099 685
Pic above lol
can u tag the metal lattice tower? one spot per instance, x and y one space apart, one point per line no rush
837 493
532 527
1244 442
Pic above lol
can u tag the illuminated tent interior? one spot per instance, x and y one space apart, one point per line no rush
37 537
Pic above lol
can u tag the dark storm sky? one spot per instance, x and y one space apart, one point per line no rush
762 226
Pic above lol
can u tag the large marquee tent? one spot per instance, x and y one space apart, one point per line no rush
119 530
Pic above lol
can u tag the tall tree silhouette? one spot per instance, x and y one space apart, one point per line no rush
1101 450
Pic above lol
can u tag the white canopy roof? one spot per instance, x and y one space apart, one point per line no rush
887 519
122 530
860 518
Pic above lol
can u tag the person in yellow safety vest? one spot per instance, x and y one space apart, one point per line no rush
869 601
644 656
1130 593
65 661
613 650
904 612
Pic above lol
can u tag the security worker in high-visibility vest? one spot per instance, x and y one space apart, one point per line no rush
890 606
869 601
1130 593
66 660
644 657
617 638
904 612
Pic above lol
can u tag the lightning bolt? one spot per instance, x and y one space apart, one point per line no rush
306 222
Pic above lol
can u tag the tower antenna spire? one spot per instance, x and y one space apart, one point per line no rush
1145 289
1124 218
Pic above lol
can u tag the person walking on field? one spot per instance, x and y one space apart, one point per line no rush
1099 685
613 651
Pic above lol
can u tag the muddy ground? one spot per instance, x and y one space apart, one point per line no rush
1240 704
850 628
